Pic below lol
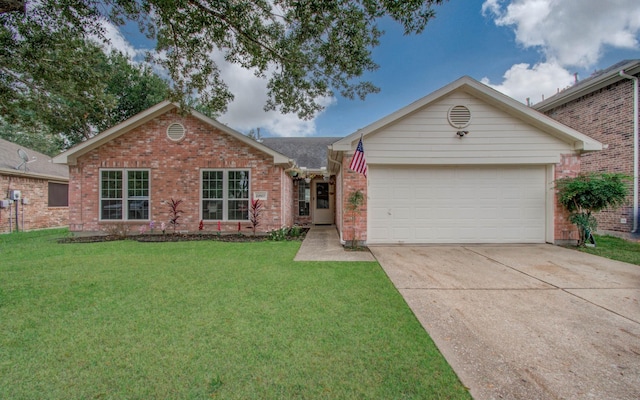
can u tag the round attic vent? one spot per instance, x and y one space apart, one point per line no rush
459 116
175 132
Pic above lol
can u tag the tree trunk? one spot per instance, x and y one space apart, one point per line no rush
12 5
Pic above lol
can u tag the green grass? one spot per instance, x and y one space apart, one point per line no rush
615 249
202 320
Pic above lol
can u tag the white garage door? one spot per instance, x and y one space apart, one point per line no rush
477 204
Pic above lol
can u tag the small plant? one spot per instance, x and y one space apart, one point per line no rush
219 231
201 225
278 235
354 201
255 214
152 225
163 227
119 230
174 213
295 231
142 229
239 229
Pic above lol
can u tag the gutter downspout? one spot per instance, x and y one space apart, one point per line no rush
635 148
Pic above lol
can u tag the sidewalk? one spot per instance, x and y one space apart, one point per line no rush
323 244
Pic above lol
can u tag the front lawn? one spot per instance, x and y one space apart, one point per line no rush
615 249
202 320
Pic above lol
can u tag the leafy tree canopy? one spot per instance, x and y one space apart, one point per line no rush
51 109
307 48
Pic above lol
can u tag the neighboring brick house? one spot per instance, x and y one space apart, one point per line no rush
33 194
602 107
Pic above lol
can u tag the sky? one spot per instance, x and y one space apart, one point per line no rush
523 48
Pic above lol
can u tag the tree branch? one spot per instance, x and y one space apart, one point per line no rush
238 31
12 6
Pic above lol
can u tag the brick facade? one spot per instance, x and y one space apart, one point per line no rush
351 181
175 173
605 115
564 230
35 215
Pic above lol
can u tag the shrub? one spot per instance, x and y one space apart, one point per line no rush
589 193
278 235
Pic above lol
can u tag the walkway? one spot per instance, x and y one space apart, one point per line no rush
322 243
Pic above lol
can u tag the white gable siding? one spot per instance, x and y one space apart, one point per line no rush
495 137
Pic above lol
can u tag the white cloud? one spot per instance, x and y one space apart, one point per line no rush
247 110
573 33
118 42
545 78
568 33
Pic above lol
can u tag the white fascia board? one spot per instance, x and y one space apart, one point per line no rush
489 95
5 171
535 118
70 156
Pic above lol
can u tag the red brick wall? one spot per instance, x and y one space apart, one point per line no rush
564 230
175 173
35 215
352 181
289 199
607 116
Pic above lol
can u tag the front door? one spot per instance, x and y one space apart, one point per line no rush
323 203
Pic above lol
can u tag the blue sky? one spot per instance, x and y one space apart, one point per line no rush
524 48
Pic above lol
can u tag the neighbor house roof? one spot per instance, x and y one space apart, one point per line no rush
488 95
307 152
596 81
39 166
70 156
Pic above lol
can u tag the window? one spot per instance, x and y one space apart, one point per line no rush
304 194
225 195
58 194
118 203
322 195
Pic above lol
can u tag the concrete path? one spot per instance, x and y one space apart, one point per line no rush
322 243
526 321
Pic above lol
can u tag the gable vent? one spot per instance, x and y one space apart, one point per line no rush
459 116
175 132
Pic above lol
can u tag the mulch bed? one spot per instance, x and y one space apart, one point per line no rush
177 237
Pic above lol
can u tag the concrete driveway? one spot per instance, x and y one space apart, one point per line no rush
526 321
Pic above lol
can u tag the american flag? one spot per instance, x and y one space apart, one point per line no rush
358 163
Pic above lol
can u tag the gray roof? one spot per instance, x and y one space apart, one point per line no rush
308 152
585 86
41 167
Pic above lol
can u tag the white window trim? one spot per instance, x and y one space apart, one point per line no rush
125 199
225 192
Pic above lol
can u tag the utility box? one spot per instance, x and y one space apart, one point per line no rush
25 200
14 195
5 203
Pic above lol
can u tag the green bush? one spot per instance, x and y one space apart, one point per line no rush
589 193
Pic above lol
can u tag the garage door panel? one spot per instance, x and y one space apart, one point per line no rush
478 204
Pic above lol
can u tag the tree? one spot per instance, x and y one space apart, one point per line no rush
68 89
589 193
307 48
